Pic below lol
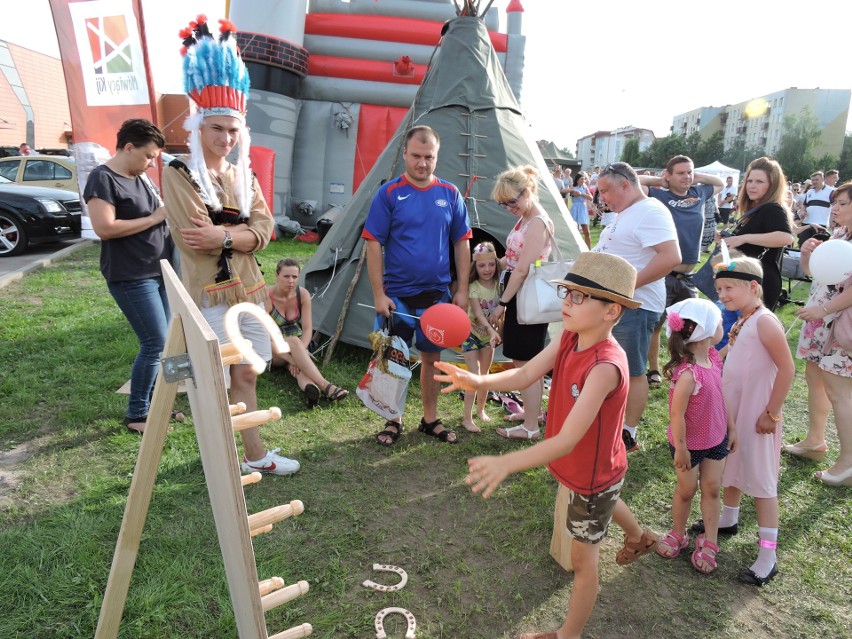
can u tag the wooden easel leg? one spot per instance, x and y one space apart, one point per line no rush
141 490
560 541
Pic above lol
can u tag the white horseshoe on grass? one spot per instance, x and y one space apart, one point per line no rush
380 629
383 588
232 330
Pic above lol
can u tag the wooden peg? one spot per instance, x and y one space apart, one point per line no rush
237 409
255 418
261 531
299 632
273 599
251 478
230 354
269 585
276 514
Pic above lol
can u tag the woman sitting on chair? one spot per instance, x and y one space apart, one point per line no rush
290 307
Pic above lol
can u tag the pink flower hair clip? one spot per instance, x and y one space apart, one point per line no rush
675 322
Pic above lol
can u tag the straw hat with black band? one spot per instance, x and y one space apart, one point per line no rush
603 275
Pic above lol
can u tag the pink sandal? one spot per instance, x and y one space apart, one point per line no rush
704 551
671 544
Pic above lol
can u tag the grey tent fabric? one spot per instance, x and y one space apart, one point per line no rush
466 98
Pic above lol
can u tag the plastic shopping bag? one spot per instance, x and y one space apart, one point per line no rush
384 387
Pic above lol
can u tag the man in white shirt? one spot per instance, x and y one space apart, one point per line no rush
644 235
727 198
817 208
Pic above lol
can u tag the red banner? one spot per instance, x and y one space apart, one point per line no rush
105 61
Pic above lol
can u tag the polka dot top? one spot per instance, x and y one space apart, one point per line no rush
706 417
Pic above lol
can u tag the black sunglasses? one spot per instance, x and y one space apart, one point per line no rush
612 168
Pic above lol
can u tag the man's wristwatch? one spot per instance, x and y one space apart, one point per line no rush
228 242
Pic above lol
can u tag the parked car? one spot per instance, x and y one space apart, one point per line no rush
34 214
41 170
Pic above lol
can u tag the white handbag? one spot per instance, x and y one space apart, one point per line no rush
537 302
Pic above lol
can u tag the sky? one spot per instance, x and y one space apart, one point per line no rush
588 66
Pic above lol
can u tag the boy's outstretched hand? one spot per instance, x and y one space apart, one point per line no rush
486 474
458 378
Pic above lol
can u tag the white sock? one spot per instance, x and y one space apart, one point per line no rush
631 430
766 557
730 516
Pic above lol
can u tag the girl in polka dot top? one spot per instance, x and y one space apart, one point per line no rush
700 433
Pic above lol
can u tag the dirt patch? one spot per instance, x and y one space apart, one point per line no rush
10 460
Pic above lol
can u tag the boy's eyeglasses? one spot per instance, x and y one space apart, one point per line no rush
576 297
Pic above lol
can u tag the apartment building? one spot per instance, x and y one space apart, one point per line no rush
602 147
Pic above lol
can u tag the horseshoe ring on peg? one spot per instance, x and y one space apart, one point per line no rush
383 588
232 330
380 629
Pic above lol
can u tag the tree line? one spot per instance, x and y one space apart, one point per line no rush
795 153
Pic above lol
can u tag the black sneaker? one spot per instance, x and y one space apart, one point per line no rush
630 442
698 527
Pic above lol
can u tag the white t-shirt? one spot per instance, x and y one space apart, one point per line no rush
631 236
818 206
728 190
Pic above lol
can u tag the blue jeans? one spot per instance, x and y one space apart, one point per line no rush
633 333
146 307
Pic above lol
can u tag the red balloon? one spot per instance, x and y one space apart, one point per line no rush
445 325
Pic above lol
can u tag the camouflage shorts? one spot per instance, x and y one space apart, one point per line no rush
589 515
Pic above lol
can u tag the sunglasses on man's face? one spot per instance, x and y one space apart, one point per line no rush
612 168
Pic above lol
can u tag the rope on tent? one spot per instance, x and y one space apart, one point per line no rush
333 273
344 311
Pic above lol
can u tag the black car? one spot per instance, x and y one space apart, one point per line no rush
34 214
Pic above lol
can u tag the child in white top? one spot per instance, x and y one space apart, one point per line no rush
700 433
478 349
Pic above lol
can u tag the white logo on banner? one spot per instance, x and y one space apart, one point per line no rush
110 51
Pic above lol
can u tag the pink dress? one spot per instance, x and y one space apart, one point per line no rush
706 418
747 380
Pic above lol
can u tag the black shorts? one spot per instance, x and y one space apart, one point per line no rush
717 453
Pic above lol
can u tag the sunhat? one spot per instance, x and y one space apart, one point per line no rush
704 313
603 275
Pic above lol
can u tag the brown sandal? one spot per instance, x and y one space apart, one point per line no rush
631 551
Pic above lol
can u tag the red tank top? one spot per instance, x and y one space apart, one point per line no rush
599 459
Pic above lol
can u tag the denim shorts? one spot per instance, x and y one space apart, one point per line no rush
589 515
407 327
633 333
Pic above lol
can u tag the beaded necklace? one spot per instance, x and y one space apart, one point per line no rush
737 327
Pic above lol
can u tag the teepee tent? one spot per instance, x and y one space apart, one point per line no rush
466 98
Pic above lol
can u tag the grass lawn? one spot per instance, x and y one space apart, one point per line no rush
477 569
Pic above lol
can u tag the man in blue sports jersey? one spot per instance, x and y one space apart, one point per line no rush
415 218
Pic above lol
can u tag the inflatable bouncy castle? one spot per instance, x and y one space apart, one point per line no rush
333 79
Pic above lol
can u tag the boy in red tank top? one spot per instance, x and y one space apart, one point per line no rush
583 448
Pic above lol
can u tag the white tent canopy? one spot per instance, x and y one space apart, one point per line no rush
717 168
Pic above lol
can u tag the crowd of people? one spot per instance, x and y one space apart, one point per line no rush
725 429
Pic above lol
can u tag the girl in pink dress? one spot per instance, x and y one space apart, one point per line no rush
757 376
700 433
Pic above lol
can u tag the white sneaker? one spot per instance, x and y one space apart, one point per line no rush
271 463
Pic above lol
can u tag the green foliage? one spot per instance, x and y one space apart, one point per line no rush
710 150
844 164
739 156
801 136
630 152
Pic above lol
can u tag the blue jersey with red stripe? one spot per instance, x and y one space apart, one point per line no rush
418 228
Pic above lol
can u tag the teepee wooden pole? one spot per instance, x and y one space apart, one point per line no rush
346 301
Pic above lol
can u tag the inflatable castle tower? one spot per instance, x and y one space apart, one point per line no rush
333 79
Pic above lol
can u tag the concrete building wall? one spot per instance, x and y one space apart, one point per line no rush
759 121
602 147
42 78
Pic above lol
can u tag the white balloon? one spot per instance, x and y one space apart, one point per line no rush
831 262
